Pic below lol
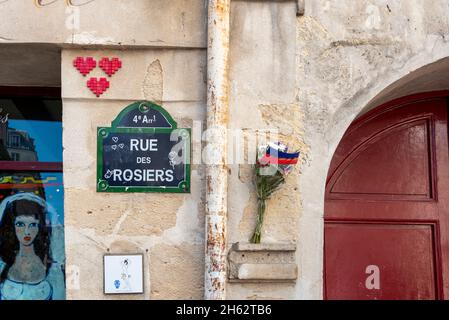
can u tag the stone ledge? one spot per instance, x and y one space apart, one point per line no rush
273 246
265 262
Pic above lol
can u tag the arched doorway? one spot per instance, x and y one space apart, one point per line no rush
387 204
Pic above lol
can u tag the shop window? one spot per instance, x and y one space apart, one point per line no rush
15 156
13 139
32 255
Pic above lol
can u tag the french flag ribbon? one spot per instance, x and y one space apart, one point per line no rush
273 156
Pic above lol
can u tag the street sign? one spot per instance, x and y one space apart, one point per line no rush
143 151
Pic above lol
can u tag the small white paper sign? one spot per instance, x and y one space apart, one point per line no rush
123 274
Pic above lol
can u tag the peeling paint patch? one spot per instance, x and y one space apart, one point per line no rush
151 214
153 83
189 217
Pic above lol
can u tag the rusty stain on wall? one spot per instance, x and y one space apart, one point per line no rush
216 172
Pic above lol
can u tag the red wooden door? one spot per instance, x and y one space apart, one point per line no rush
387 206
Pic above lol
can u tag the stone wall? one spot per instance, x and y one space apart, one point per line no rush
345 58
350 56
167 228
161 23
263 99
307 78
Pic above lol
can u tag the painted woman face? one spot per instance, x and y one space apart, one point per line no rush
27 228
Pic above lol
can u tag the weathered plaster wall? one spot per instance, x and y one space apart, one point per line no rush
263 97
167 228
174 23
310 86
306 77
348 54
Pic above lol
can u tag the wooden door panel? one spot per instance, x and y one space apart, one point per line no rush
381 261
382 210
387 204
404 152
365 129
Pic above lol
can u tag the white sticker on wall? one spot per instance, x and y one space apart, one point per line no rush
123 274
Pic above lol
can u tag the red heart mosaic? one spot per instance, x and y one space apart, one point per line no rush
84 65
110 66
98 86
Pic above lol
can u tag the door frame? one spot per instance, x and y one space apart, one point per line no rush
372 113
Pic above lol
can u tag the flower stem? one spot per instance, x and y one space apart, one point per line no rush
260 217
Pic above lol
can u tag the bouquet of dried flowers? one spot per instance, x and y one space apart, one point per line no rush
273 164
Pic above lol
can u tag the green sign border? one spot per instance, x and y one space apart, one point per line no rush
103 132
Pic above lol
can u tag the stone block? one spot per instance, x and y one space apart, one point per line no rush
265 262
267 272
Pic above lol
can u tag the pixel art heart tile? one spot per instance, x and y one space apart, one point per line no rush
110 66
84 65
98 86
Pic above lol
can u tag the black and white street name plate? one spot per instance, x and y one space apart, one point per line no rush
143 151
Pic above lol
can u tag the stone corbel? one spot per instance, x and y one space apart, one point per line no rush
264 262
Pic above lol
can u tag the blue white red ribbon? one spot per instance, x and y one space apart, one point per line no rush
273 156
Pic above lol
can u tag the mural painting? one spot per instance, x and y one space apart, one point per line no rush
31 262
32 257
